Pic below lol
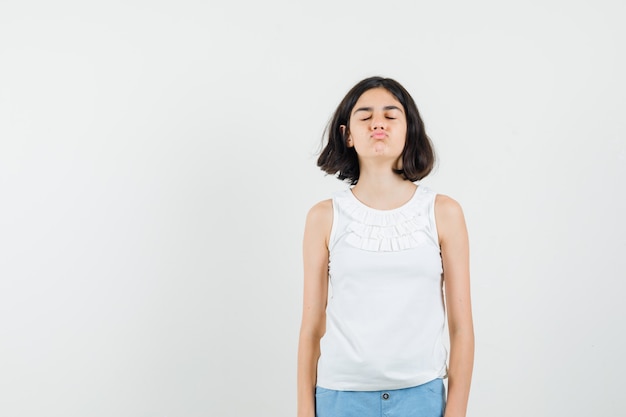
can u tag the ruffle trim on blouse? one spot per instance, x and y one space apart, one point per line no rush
386 230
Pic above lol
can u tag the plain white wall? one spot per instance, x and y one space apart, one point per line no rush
157 160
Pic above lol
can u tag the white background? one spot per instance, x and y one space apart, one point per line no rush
157 160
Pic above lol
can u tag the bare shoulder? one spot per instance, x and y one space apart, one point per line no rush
447 206
321 212
319 221
320 216
449 216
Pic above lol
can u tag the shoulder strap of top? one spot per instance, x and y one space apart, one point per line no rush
337 200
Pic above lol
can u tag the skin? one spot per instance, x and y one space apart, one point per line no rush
378 133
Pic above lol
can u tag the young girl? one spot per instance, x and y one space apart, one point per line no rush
377 259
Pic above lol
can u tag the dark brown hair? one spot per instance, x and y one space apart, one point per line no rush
418 156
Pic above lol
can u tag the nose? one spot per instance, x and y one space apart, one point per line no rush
378 122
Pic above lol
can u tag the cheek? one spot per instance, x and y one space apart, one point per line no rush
403 134
357 131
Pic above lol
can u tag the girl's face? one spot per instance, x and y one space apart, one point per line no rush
378 126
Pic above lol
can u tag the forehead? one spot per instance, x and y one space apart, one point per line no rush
377 97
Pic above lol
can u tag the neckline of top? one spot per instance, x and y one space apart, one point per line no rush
354 198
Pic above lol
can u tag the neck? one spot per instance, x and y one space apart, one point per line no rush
382 188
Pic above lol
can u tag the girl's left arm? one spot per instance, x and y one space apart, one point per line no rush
454 243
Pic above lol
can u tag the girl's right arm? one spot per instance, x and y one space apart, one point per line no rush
315 262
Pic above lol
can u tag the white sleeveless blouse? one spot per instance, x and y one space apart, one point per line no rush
385 316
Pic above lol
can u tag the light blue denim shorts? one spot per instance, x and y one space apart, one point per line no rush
426 400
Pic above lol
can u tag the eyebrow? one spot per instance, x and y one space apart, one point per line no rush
372 109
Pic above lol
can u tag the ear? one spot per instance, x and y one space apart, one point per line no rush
348 140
